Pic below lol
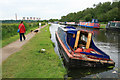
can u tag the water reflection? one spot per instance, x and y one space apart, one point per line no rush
107 41
108 36
85 72
52 29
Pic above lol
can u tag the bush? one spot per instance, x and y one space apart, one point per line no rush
9 30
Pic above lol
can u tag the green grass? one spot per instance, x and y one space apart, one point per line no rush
9 40
15 37
102 25
30 63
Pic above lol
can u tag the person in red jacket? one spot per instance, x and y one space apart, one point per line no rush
22 29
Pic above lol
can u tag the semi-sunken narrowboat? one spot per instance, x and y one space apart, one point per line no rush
77 48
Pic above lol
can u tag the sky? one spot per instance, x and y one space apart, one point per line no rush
44 9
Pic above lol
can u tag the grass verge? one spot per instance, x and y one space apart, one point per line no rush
15 37
29 62
102 25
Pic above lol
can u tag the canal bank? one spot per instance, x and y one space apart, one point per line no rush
30 62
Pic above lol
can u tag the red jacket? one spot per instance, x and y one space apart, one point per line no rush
22 28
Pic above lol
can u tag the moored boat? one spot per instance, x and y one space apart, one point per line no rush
93 24
78 49
113 25
71 23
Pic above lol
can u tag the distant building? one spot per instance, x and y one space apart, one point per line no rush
23 18
33 18
30 18
27 18
38 18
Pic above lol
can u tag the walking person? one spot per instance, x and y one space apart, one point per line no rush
22 29
39 25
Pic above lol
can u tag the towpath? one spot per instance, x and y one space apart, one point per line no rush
16 46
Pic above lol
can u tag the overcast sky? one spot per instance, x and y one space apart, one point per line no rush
44 9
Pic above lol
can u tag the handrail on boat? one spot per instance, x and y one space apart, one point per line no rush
77 39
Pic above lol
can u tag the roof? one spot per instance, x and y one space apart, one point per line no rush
116 21
72 29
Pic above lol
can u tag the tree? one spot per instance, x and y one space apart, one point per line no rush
103 12
112 14
88 17
52 20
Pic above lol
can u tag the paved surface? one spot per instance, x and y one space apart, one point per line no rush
16 46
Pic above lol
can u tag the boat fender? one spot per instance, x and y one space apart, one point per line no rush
92 32
78 50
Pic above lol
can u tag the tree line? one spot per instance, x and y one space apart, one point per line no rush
104 12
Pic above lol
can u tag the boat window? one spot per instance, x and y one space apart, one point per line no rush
112 24
93 20
73 35
88 24
82 41
96 21
118 25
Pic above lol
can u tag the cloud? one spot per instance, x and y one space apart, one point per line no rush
44 9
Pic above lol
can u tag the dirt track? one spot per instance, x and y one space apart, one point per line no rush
16 46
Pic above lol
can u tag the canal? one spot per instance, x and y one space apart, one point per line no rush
107 41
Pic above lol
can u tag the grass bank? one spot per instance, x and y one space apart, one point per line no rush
102 25
9 32
14 38
31 63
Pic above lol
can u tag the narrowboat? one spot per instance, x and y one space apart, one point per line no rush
71 23
113 25
68 23
93 24
77 48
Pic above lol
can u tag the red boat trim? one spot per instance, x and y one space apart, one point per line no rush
64 46
95 27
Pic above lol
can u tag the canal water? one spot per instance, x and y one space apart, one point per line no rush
107 41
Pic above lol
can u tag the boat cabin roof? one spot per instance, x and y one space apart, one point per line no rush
72 30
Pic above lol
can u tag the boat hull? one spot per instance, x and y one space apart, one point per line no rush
73 62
